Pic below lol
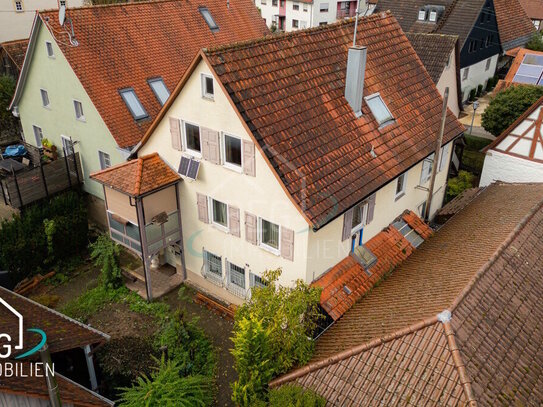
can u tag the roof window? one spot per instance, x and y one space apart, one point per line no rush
133 103
422 14
208 18
364 256
159 89
412 237
379 109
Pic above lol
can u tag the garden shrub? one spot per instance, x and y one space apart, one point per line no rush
472 94
105 254
8 122
295 396
536 42
479 90
459 184
43 234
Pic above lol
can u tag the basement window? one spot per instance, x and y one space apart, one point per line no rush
209 19
133 103
159 89
379 109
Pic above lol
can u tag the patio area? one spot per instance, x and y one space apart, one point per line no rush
164 279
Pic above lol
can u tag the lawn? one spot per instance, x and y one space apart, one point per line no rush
473 159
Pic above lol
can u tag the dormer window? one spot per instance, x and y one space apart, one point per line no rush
159 89
422 14
206 14
133 103
379 109
433 16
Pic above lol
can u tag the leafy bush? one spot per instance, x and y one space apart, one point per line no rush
491 83
508 106
479 90
105 254
43 234
459 184
272 334
165 387
295 396
536 42
472 94
8 122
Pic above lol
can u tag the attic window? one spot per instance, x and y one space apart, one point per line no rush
379 109
133 103
407 232
159 89
209 19
364 256
422 14
433 16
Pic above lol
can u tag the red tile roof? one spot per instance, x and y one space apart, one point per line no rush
487 351
515 66
534 8
389 246
138 177
16 50
36 387
289 89
514 25
124 45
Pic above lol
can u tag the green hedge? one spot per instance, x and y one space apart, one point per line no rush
293 395
44 234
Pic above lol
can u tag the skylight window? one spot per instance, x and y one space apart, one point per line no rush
412 237
159 89
364 256
433 16
209 19
133 103
422 14
379 109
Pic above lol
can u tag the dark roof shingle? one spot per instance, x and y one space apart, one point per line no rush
434 50
16 50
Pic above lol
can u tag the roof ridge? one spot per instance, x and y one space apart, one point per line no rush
292 34
499 251
355 350
110 5
139 175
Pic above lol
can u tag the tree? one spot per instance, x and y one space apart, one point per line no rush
277 322
536 42
508 106
8 122
105 254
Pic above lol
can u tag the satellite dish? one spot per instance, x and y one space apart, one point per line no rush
61 15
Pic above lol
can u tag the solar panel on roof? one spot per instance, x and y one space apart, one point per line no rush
530 70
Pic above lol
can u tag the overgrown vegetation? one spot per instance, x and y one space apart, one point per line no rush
508 106
272 334
536 42
105 254
8 122
295 396
459 184
44 235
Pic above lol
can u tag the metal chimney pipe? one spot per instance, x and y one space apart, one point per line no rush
52 386
354 78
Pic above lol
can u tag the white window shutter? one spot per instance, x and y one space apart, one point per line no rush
347 224
371 208
287 244
175 132
251 228
233 220
249 167
203 213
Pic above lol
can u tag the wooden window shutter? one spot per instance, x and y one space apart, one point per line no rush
287 244
203 213
210 145
175 133
249 167
371 208
347 224
233 219
250 228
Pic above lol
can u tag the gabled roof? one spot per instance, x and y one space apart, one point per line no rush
514 25
124 45
71 392
483 345
289 92
138 177
390 248
524 138
16 50
63 333
434 50
534 8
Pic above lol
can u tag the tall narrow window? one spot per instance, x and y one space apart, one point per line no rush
433 16
208 19
269 234
232 151
159 89
427 165
49 48
207 86
219 213
360 215
400 185
213 264
79 110
236 275
44 98
192 137
67 146
133 103
422 14
105 160
38 135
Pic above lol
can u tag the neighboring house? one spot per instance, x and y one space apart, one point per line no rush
534 10
517 154
439 53
527 68
17 16
457 324
291 15
71 345
97 91
12 55
281 168
479 25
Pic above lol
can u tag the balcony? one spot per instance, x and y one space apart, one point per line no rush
345 13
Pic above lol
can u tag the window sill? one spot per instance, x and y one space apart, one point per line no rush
193 153
233 167
357 229
209 98
220 227
81 119
48 107
270 249
399 196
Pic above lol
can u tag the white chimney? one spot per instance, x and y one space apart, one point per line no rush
354 80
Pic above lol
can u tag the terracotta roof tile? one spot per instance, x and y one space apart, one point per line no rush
139 176
124 45
289 89
16 50
390 248
514 25
456 205
489 353
534 8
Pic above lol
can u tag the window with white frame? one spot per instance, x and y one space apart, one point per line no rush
105 160
488 61
269 235
236 275
401 183
323 7
433 16
257 281
207 86
38 135
422 14
360 216
444 156
295 24
305 7
49 49
379 109
426 172
465 73
213 264
45 98
219 213
78 106
159 89
295 6
231 147
133 103
67 145
19 6
192 137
